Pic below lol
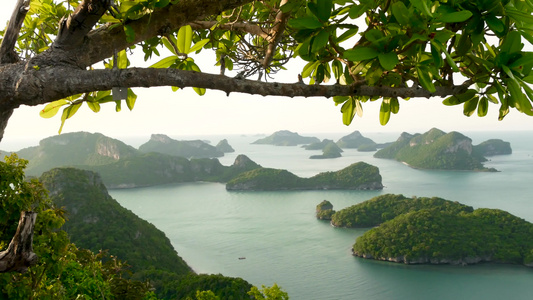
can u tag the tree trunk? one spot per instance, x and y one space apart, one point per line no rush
19 254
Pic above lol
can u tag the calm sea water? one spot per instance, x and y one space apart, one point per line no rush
284 243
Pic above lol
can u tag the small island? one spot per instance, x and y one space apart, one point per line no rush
436 231
356 140
331 150
494 147
324 210
286 138
358 176
436 150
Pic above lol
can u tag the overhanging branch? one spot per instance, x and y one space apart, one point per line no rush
35 88
7 49
19 254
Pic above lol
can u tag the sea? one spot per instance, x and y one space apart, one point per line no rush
268 237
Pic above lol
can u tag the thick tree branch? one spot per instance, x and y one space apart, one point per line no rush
7 48
275 34
19 254
48 84
73 30
102 42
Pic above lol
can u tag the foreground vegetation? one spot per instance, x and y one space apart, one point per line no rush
125 257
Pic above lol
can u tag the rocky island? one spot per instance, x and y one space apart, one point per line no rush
358 176
356 140
436 231
286 138
436 150
330 150
161 143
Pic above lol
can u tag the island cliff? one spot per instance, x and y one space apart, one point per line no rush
435 149
286 138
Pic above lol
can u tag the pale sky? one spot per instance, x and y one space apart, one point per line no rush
184 113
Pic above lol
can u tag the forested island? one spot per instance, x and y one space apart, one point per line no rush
286 138
436 231
438 150
358 176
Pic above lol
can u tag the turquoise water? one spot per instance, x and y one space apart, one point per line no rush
283 242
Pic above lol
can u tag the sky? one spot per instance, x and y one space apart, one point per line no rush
184 114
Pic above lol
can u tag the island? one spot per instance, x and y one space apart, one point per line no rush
324 210
189 149
331 150
356 140
494 147
435 150
358 176
436 231
224 147
286 138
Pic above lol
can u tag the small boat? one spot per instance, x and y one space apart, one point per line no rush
241 258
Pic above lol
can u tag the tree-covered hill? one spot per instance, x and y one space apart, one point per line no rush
77 148
356 140
358 176
98 222
161 143
286 138
443 237
493 147
330 150
387 207
435 149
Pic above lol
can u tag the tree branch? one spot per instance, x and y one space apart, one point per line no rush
19 254
242 27
73 30
102 42
7 48
52 83
275 34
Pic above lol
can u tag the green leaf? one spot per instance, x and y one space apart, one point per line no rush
320 41
309 68
470 106
347 34
168 43
130 33
199 91
422 6
358 108
483 107
361 53
321 9
495 24
384 112
130 100
184 39
357 10
52 108
122 60
388 60
394 105
347 111
456 17
438 61
165 62
340 99
512 43
519 16
67 113
338 70
425 80
198 45
118 105
401 13
308 22
94 106
458 99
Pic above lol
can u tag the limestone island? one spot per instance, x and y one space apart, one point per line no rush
436 231
330 150
436 150
358 176
286 138
161 143
324 210
356 140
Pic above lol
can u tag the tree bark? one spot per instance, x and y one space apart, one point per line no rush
19 254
